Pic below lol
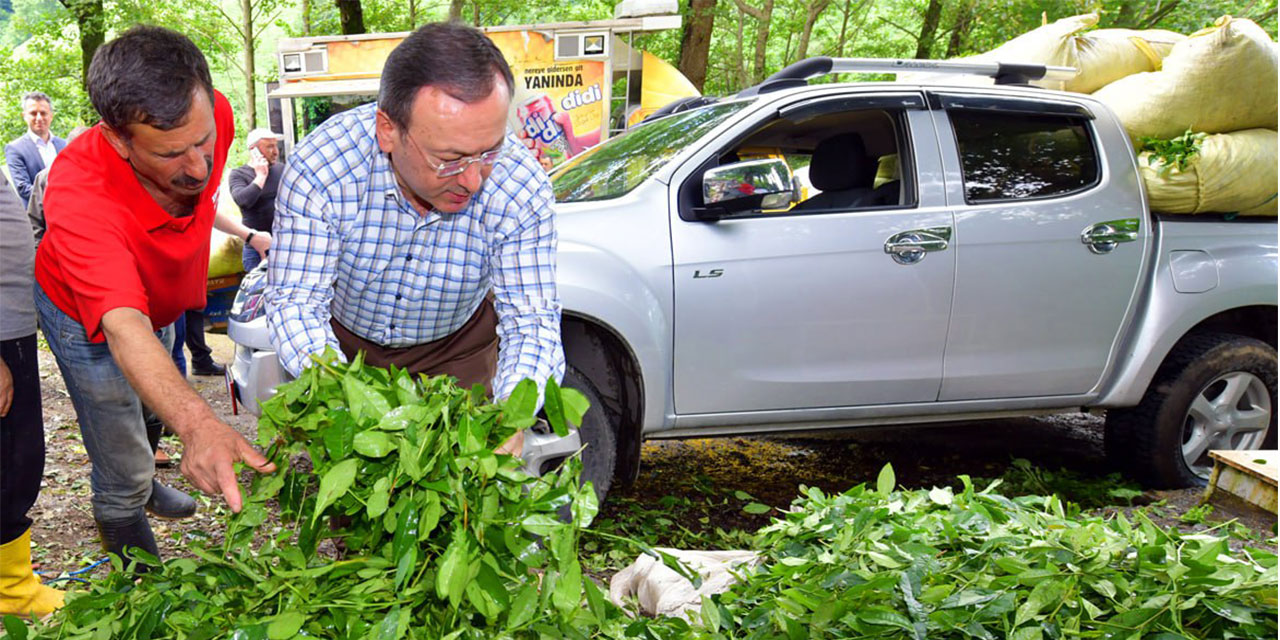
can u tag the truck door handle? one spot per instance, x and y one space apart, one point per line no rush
910 247
1104 236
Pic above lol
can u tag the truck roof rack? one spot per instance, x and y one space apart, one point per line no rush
799 73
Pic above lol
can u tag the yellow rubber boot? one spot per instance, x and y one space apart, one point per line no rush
20 590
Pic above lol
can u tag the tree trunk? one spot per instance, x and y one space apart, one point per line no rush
351 15
413 15
928 29
960 29
455 10
250 95
306 17
695 41
812 11
93 32
763 17
739 66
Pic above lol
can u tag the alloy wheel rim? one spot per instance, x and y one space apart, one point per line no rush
1233 411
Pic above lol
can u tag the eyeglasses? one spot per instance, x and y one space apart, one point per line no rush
456 167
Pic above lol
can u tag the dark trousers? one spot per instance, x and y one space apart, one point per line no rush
201 354
21 439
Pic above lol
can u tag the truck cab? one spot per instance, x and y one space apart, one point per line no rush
1006 265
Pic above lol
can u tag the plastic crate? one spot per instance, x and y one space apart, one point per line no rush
221 293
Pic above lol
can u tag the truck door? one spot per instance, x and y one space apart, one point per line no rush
1049 245
841 298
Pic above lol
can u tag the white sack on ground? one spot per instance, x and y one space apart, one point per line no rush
1218 80
1101 56
664 592
1233 172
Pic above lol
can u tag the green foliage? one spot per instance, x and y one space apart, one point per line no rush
1175 153
442 537
1078 489
975 564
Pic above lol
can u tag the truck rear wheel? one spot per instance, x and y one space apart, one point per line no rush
1214 391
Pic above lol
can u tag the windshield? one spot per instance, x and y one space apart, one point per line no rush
619 165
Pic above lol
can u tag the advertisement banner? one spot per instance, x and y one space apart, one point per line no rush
558 107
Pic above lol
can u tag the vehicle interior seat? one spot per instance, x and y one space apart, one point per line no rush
841 169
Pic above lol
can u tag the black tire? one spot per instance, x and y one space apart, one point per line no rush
1147 441
597 433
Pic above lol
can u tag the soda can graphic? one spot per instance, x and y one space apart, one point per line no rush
536 116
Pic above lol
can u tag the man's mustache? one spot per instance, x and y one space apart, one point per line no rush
187 182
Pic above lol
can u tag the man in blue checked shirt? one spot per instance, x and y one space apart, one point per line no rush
420 231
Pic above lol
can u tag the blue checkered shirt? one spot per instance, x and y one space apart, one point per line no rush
347 244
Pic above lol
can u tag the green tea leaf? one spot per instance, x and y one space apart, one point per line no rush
365 402
338 433
487 593
380 498
553 407
523 607
575 405
451 577
334 484
399 418
285 625
755 508
568 593
886 482
372 443
14 627
520 406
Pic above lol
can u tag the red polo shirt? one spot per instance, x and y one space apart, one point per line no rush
108 244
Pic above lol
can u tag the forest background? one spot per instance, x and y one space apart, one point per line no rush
723 46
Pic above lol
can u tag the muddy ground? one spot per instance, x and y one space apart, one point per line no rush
695 474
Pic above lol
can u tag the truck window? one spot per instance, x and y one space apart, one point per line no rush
619 165
840 161
1018 156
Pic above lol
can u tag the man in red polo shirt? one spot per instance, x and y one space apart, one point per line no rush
129 209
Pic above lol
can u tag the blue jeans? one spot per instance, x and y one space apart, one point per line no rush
111 416
179 338
250 257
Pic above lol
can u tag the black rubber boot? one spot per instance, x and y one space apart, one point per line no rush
122 536
169 503
165 502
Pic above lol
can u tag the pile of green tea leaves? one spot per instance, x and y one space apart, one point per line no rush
1174 153
441 538
403 523
880 563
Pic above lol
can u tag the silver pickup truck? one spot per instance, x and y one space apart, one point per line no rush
812 256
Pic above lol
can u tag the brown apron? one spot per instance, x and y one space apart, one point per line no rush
469 354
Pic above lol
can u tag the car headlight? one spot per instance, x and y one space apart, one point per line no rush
250 299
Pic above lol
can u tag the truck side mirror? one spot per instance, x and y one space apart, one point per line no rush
743 186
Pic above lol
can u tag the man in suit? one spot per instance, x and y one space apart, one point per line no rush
31 152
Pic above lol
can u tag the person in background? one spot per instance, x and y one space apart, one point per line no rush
419 230
110 284
254 186
35 205
29 153
21 416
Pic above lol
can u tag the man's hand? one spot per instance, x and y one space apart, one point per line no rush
261 242
209 451
6 389
514 445
210 447
260 167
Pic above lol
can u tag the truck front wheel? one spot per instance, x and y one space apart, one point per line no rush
600 452
1214 391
